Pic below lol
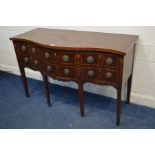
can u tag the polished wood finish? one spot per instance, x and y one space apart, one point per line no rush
79 40
99 58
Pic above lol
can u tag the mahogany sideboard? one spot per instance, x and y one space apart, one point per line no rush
99 58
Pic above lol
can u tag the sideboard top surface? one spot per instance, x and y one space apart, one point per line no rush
80 40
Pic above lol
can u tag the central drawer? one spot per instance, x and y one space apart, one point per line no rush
60 72
59 57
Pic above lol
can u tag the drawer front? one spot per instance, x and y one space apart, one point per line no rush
27 49
67 72
91 73
91 59
29 55
50 69
34 63
100 59
99 74
67 58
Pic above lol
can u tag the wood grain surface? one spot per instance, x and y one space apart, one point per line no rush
80 40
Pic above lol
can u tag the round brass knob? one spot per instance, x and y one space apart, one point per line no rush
91 73
23 48
26 59
49 68
47 55
66 58
108 75
67 71
36 62
109 61
33 50
90 59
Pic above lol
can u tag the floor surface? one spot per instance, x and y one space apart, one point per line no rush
19 112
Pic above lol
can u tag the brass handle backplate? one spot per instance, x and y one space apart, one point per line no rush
108 75
65 58
49 68
67 71
33 50
36 62
26 59
23 48
90 59
91 73
109 61
47 55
